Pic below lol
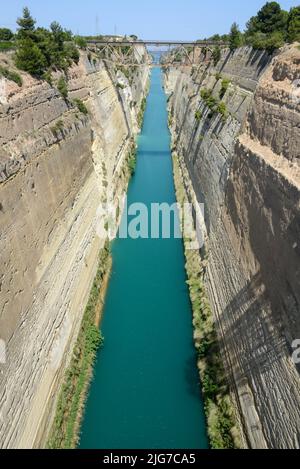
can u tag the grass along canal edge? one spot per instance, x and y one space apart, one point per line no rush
222 428
65 429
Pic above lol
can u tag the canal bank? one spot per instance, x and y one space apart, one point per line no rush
146 390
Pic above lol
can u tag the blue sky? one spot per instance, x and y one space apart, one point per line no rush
150 19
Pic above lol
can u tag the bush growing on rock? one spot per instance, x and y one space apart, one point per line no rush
62 87
216 55
224 87
81 106
9 75
198 115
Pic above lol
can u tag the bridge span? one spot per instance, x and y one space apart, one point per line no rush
125 52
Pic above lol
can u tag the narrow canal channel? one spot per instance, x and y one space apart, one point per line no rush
146 390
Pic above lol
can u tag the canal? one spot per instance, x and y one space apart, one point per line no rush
146 391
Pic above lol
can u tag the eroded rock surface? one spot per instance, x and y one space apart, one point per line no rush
245 168
56 166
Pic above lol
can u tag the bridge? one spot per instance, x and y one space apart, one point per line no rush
126 52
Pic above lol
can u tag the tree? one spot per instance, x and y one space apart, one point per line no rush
268 42
26 25
215 37
274 41
44 40
225 38
56 45
235 37
80 42
39 50
6 34
269 19
72 52
58 34
30 58
293 25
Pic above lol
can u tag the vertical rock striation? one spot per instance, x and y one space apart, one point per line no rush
56 166
243 162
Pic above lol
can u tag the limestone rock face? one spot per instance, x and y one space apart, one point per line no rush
245 168
56 166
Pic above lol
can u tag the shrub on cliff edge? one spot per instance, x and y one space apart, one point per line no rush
62 87
81 106
29 58
9 75
293 26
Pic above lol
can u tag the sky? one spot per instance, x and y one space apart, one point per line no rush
152 19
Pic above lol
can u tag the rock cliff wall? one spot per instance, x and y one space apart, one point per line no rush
57 165
243 161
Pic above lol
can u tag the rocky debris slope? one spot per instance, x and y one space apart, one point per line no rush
57 164
243 160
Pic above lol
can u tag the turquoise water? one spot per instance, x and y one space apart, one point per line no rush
146 391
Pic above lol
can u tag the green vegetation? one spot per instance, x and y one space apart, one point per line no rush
269 43
7 45
30 58
272 27
48 77
269 30
293 25
198 115
208 98
65 429
224 87
131 161
218 38
141 113
40 50
126 72
270 18
213 103
57 128
6 34
81 106
9 75
62 87
222 110
80 42
235 37
216 55
218 406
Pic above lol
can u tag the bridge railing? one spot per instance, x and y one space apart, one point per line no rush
156 42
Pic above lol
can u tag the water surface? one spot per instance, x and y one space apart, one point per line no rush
146 391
